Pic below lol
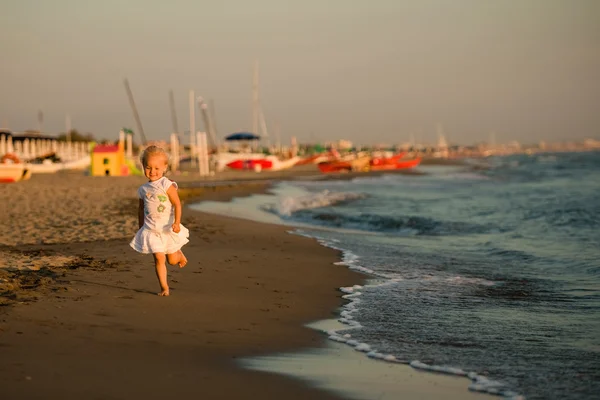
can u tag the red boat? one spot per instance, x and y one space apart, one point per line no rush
335 166
398 164
258 164
356 165
387 160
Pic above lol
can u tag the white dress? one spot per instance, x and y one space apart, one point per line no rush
156 235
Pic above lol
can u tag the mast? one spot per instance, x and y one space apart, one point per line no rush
207 123
255 100
192 100
68 127
173 113
278 137
136 116
263 126
213 117
442 144
40 121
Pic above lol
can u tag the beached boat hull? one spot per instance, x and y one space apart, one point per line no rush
269 163
334 166
220 160
387 160
252 165
52 167
357 164
399 164
10 173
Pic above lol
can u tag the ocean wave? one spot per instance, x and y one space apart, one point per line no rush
406 225
288 205
479 382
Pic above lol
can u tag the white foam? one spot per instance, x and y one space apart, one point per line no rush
349 259
287 205
344 370
347 318
479 383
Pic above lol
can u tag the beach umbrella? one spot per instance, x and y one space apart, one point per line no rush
242 136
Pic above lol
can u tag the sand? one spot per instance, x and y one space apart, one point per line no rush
79 315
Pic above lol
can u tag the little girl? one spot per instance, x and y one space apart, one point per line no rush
159 217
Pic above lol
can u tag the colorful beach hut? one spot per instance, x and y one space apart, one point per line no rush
109 160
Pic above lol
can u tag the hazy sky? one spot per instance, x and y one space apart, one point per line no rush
372 71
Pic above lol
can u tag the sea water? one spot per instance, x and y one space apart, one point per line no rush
492 273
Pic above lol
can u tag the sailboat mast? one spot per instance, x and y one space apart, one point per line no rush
213 118
278 137
207 123
68 127
173 113
192 101
263 127
136 116
255 100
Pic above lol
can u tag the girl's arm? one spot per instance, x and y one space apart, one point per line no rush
140 214
176 203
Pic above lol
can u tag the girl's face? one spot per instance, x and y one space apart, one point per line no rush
156 166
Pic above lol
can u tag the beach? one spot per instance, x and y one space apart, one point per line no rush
80 317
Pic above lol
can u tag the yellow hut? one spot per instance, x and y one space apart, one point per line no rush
109 160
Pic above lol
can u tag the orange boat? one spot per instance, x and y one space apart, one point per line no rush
397 164
257 164
335 166
387 160
357 164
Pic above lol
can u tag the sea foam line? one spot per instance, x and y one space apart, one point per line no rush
287 205
352 294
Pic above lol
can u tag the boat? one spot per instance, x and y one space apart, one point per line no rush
369 164
251 164
319 158
334 166
387 160
47 166
268 163
12 170
397 164
221 159
345 165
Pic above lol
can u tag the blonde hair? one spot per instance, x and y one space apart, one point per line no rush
151 151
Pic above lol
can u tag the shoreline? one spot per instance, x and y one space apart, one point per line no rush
81 318
356 373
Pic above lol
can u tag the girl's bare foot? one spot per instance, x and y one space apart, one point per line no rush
164 293
177 258
182 259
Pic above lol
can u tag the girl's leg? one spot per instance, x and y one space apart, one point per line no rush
161 273
177 258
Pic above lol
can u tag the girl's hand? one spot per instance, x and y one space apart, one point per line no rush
176 227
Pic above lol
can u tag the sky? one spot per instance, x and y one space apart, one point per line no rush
377 71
